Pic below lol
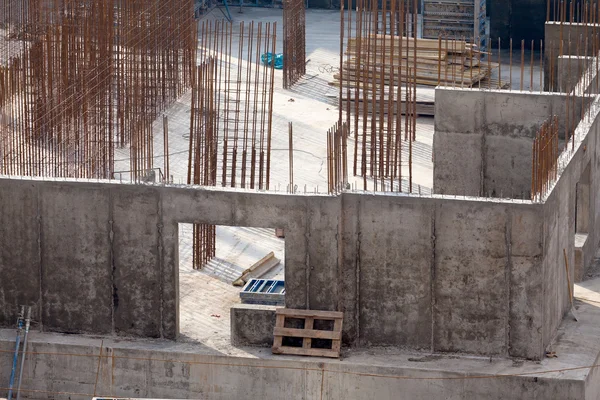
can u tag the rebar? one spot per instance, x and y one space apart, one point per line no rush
382 69
337 172
545 154
78 79
294 42
232 108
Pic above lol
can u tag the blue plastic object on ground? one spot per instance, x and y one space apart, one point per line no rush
267 59
264 291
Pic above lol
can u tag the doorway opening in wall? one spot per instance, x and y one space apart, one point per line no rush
242 255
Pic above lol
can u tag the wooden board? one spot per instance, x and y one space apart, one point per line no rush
308 333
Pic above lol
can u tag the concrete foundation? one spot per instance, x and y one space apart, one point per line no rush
80 367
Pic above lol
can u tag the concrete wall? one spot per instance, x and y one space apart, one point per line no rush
494 130
570 69
580 167
117 246
449 275
400 271
561 40
252 325
480 276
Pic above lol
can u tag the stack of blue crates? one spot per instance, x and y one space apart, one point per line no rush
264 291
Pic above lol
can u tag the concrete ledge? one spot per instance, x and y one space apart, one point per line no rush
252 325
68 367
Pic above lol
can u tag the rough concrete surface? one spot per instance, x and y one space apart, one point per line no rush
252 325
79 367
315 258
496 129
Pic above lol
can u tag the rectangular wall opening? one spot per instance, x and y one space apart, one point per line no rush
207 291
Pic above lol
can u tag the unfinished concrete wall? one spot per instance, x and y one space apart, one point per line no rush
252 325
494 132
103 257
446 275
580 183
76 263
399 273
19 249
569 70
562 39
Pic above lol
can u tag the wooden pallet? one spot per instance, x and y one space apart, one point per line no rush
308 333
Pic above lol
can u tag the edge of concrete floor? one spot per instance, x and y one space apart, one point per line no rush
69 366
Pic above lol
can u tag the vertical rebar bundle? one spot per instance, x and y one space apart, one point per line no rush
80 77
244 99
380 78
337 156
202 161
545 154
231 122
294 42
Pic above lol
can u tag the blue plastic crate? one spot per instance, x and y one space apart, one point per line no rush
264 291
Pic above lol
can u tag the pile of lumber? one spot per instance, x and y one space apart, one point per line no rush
375 66
356 103
374 59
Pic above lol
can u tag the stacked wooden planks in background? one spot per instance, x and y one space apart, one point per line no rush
384 60
437 62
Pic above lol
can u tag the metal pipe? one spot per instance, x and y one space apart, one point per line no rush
16 353
27 324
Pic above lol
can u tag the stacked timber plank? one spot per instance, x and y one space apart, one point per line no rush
376 58
354 102
383 66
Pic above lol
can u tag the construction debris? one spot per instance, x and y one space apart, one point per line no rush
444 62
